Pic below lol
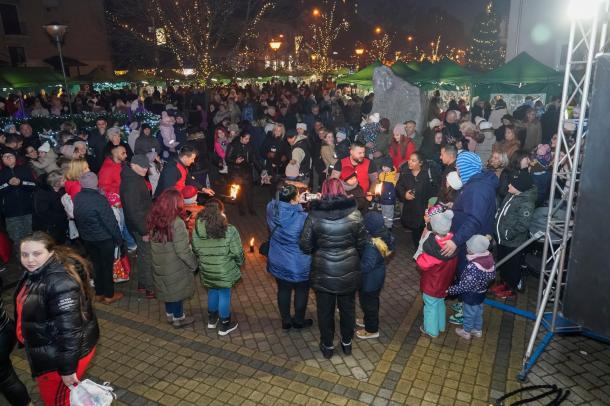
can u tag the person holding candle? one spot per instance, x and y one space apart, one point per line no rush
220 254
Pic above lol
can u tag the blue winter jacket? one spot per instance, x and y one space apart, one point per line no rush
286 261
373 265
475 208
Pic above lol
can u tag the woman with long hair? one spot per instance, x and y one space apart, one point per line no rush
220 254
75 169
510 144
335 237
173 261
401 146
54 316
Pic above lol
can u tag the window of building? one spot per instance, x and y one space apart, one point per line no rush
17 55
10 19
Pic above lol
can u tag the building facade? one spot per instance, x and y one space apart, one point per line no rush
23 41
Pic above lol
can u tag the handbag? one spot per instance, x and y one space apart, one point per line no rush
121 268
89 393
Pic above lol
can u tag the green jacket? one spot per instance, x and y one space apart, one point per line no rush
174 265
219 259
513 218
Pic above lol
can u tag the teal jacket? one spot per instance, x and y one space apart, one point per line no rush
219 258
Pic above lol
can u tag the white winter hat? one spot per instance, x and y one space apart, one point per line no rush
340 136
302 125
453 179
478 119
374 118
269 127
485 125
45 147
434 123
477 244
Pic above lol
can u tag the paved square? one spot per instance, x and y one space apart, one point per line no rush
148 362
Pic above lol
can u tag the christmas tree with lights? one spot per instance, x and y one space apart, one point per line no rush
485 52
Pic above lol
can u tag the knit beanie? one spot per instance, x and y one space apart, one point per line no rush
88 180
477 244
340 136
522 181
141 160
302 125
373 223
399 129
45 147
386 161
454 181
468 164
440 221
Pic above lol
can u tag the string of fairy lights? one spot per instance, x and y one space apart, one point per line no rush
325 31
485 52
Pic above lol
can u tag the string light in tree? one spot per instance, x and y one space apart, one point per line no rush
380 47
325 31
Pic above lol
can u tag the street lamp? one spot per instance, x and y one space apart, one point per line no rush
359 53
57 32
275 46
378 30
316 12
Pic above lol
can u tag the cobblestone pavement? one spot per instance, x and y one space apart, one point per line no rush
149 362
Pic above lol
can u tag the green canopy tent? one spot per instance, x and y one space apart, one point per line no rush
402 70
445 75
521 75
363 78
418 66
29 77
97 75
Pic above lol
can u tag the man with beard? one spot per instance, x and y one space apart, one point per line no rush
365 169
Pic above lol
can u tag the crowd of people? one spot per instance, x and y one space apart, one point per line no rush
465 185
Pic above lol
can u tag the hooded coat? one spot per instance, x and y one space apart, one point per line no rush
173 265
513 219
335 236
286 261
475 279
373 262
436 270
219 258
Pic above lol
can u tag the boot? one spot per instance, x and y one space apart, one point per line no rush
327 352
226 326
183 321
347 348
212 319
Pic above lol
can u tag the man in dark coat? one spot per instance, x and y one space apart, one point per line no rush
136 201
97 143
176 174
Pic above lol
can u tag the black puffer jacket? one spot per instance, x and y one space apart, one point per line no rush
55 334
94 217
334 234
49 214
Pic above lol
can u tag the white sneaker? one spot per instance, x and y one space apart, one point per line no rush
224 170
463 333
476 333
363 334
360 322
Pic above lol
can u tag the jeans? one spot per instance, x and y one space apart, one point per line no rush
387 211
127 237
101 254
143 263
174 308
327 303
18 227
510 272
434 315
219 300
301 296
11 387
473 317
369 303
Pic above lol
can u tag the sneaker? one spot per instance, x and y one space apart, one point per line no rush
457 319
363 334
212 319
423 330
3 268
520 285
347 348
286 326
498 288
306 324
476 333
463 333
132 248
183 321
169 317
115 298
457 307
224 170
226 326
327 352
360 323
505 294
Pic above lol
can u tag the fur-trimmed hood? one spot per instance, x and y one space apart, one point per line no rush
333 208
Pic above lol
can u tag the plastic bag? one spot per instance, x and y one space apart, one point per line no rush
121 268
89 393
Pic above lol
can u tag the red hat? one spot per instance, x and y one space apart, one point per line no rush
189 192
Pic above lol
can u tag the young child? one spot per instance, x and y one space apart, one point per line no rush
512 229
353 189
380 246
436 271
473 284
191 208
220 148
388 178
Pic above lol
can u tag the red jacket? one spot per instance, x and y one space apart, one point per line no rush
110 176
396 152
436 271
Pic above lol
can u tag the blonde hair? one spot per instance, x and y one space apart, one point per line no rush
280 125
76 168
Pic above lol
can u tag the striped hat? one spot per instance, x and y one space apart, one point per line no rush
468 165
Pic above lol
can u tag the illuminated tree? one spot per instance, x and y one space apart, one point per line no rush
324 31
197 32
485 52
380 47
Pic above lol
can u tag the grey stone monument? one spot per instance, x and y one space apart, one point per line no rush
397 99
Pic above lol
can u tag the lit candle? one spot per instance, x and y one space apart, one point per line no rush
234 191
252 244
378 189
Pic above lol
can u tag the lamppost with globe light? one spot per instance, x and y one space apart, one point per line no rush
57 32
275 46
359 53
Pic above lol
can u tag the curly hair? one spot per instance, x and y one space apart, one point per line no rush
164 211
214 219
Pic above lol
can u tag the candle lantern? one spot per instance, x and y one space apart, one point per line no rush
252 244
234 190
